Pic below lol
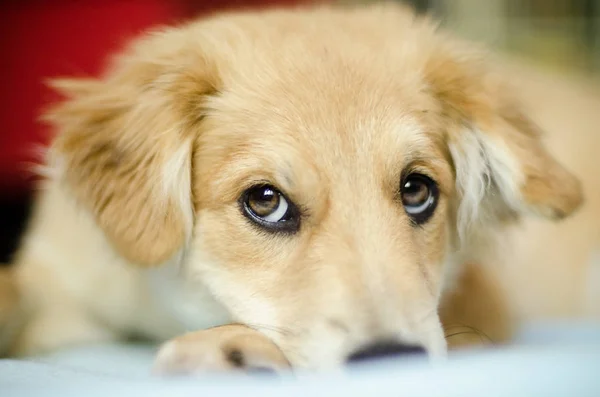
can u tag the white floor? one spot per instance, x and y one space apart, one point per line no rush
549 360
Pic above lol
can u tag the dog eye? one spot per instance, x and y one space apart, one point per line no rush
419 197
269 208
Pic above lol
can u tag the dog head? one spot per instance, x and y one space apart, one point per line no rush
318 169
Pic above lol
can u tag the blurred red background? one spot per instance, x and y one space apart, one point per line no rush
41 39
48 38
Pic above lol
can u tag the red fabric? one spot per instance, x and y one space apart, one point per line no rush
41 39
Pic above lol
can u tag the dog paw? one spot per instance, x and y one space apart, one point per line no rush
229 348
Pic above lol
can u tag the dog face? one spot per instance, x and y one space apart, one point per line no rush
317 170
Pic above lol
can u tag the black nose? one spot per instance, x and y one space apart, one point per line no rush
384 350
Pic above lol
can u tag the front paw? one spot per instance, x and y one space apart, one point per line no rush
229 348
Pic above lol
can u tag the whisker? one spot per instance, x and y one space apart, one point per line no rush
472 330
462 333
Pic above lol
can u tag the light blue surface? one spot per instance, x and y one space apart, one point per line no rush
548 361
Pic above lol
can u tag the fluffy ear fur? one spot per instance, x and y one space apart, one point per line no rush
125 144
502 166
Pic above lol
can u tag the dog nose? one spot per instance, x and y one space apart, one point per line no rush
387 349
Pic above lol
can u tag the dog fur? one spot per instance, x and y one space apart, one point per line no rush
138 230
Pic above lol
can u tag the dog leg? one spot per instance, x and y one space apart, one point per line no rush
10 303
60 327
227 348
475 312
45 317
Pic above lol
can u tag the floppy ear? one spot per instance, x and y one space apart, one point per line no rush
125 143
502 166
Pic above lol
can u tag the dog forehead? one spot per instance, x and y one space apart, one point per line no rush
291 134
300 133
334 102
324 104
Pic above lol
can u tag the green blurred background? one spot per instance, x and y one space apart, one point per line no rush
558 34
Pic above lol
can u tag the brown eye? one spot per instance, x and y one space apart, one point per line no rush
265 202
269 208
419 197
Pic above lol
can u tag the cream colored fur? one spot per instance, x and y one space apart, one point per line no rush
138 228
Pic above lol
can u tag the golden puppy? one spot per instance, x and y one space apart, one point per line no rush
326 184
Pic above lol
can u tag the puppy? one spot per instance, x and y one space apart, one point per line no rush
308 188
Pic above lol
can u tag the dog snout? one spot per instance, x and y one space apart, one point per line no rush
384 349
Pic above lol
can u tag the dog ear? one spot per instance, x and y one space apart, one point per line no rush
125 146
502 165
